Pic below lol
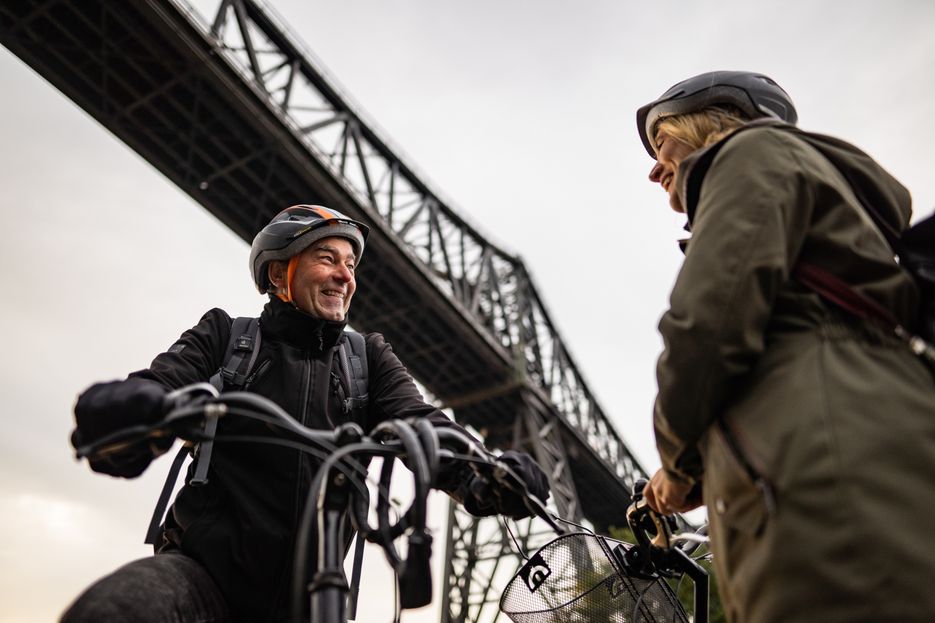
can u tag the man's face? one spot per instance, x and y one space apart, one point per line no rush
324 278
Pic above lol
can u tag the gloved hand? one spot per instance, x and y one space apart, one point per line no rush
105 408
484 496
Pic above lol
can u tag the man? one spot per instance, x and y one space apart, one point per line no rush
226 549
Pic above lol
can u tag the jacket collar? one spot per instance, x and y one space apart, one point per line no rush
286 323
693 168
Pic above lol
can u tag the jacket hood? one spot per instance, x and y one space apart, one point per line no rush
871 183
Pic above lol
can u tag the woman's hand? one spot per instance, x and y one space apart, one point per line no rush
666 496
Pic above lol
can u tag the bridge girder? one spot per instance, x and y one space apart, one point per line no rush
237 112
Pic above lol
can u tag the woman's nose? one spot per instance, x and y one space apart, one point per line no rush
655 174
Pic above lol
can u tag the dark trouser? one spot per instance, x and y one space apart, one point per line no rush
160 589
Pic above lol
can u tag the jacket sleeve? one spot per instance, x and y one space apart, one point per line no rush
751 220
106 407
394 395
195 356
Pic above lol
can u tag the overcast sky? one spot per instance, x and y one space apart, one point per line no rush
521 113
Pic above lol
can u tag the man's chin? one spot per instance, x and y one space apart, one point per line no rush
334 316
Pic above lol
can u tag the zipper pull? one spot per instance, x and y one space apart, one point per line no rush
769 497
260 370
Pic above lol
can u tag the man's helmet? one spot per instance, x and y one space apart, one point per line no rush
754 94
295 229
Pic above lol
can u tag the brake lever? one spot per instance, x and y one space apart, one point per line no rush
508 478
118 442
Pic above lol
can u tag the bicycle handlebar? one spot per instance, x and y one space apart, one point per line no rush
423 448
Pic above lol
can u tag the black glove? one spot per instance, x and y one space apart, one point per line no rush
105 408
484 497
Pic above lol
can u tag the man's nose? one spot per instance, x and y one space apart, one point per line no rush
655 174
344 273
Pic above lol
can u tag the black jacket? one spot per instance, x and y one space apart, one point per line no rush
241 525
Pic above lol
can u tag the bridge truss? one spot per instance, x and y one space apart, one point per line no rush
230 105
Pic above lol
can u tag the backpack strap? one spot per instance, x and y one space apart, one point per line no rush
241 353
352 359
155 523
835 290
242 350
239 357
832 288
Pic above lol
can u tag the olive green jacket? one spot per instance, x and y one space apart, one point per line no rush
769 198
813 433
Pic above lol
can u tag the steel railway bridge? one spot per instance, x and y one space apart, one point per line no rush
231 106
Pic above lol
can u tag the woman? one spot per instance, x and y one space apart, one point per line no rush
813 433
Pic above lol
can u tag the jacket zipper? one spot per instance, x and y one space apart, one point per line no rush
257 373
307 376
297 491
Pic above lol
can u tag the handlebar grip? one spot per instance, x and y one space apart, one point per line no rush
644 521
415 579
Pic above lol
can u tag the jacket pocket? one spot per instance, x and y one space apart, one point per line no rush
740 496
258 373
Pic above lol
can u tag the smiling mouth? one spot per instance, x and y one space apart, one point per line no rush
667 182
333 294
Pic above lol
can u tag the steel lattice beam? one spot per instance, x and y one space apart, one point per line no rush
228 104
492 286
481 560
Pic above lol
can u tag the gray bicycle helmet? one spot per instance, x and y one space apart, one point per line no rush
295 229
754 94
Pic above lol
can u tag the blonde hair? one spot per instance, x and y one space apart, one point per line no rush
703 127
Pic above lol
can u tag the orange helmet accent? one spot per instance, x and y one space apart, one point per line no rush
290 275
326 213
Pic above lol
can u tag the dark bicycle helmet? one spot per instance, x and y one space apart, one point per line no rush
754 94
295 229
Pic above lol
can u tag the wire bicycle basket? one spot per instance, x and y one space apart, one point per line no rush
577 578
582 577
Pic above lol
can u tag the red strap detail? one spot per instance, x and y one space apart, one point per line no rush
841 294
